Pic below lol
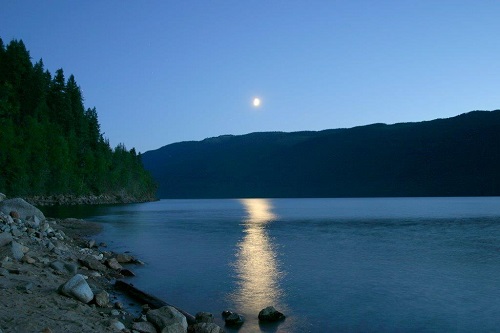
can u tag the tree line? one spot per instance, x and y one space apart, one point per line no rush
50 144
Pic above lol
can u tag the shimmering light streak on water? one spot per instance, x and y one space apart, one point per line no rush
257 266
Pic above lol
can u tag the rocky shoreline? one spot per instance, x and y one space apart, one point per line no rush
54 278
71 199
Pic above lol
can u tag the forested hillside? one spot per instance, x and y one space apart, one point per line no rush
50 144
458 156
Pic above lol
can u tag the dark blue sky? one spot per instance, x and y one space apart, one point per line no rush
160 72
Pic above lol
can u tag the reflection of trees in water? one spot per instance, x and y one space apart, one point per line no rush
257 266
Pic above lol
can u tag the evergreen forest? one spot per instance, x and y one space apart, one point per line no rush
50 144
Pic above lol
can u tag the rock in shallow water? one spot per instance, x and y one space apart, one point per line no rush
270 314
167 319
235 320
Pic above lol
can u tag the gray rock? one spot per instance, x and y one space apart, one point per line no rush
62 267
124 258
16 232
3 272
22 207
116 325
93 264
33 221
113 264
101 299
168 319
270 314
204 317
5 239
207 328
2 197
77 288
18 250
144 327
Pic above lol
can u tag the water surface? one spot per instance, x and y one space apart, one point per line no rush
331 265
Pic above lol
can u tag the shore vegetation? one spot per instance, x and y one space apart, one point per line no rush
50 144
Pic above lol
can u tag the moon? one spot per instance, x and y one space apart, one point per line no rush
256 102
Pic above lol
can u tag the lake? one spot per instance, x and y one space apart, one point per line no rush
331 265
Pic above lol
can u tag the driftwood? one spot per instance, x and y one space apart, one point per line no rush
148 299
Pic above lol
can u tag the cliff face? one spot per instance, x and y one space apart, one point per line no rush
458 156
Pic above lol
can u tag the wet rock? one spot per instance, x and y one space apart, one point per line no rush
167 319
113 264
226 313
2 197
204 317
206 328
235 320
118 305
144 327
127 272
270 314
3 272
124 258
22 207
77 288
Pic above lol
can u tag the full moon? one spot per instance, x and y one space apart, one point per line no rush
256 102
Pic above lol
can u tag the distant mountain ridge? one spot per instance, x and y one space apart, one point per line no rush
458 156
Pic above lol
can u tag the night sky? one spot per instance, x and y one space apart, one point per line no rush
160 72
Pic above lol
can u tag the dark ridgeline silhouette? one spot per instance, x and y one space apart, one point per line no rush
458 156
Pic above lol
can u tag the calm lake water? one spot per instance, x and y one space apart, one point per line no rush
331 265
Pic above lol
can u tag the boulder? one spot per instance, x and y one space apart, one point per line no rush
113 264
77 288
144 327
270 314
20 206
116 325
235 320
63 267
93 264
124 258
206 328
168 319
18 250
204 317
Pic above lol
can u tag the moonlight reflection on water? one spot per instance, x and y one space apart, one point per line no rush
257 267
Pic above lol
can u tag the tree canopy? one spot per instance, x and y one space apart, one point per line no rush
50 143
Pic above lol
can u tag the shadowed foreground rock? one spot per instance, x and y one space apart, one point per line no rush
270 314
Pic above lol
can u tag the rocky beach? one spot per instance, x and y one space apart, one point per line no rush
55 278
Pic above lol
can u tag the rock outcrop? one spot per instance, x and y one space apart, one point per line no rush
21 207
